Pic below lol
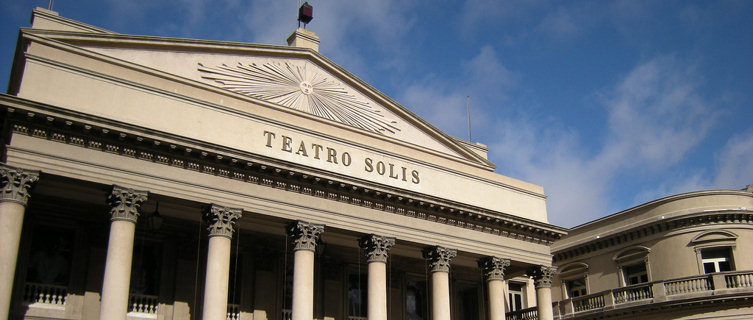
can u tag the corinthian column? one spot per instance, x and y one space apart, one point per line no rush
542 276
439 264
220 222
124 212
305 236
16 183
494 273
377 248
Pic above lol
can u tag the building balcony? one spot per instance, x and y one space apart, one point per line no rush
714 287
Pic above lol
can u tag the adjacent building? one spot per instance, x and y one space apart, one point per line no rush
686 256
160 178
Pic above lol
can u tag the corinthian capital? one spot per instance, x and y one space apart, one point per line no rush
125 203
439 258
542 275
376 247
16 183
493 267
221 220
305 234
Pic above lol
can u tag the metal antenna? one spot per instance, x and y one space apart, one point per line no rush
470 131
49 5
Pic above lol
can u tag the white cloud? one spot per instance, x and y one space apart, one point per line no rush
443 102
735 162
655 120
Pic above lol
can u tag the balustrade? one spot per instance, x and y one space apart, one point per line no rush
739 280
45 293
633 293
141 303
287 314
523 314
688 285
233 312
590 302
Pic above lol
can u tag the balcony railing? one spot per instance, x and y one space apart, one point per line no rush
287 314
143 304
696 287
45 294
233 312
523 314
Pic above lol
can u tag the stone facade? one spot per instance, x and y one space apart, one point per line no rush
227 202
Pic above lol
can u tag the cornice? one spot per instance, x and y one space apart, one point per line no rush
272 173
725 217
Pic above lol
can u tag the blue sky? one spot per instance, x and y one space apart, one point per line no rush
607 104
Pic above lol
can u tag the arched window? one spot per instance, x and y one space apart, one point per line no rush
633 265
574 279
714 250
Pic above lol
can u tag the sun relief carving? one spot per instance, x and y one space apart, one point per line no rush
300 86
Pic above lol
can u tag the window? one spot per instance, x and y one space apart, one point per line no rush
576 288
515 296
51 256
716 260
573 278
635 274
357 294
466 301
634 265
416 302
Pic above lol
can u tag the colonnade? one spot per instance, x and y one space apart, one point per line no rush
124 212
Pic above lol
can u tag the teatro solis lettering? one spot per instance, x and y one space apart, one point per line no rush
331 155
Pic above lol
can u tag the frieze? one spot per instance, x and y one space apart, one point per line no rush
167 153
17 183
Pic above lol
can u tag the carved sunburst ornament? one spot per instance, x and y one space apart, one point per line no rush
294 86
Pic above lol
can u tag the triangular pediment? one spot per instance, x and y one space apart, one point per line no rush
297 80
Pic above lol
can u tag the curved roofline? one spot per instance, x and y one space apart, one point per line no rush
667 199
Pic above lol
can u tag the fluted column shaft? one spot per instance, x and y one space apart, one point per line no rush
494 273
542 276
305 236
439 263
124 212
14 196
220 221
377 250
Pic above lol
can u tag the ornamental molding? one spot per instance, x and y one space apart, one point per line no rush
377 247
252 171
17 184
125 203
493 267
665 227
542 275
221 220
305 234
301 86
439 258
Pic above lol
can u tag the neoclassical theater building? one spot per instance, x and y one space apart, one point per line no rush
161 178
